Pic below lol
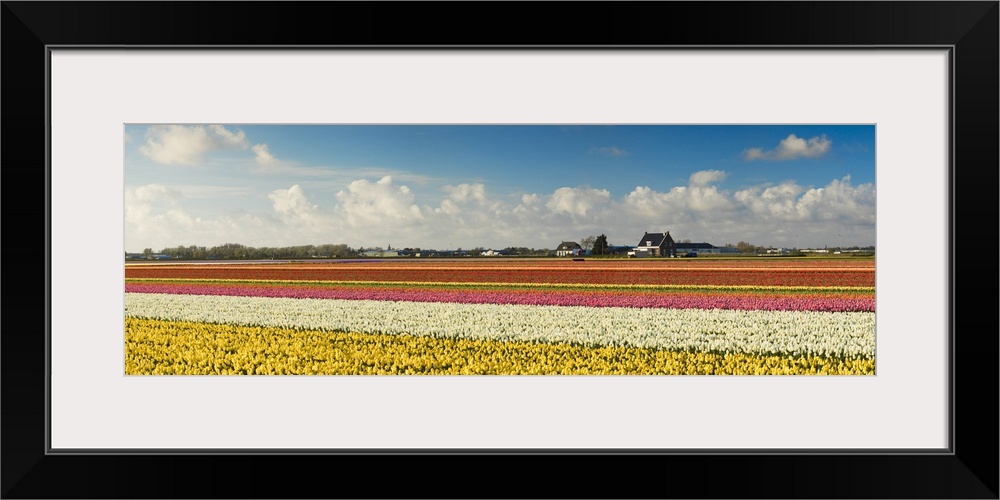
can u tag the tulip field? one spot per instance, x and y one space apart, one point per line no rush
759 316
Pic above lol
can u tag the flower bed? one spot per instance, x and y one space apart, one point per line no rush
743 317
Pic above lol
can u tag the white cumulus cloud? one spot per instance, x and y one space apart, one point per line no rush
262 155
292 201
577 201
381 202
156 215
706 177
186 145
228 138
467 192
777 202
449 207
791 148
698 196
840 200
139 201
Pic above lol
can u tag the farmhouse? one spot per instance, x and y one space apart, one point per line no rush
656 245
568 248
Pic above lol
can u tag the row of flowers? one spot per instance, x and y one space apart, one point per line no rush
522 297
714 289
782 333
594 264
661 276
156 347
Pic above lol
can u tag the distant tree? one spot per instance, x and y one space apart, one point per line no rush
685 240
172 252
588 242
600 245
324 251
341 251
148 253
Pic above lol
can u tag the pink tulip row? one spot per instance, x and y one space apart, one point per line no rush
590 299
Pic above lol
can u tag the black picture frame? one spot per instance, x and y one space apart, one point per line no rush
969 470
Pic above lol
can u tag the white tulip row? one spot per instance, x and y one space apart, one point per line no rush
749 332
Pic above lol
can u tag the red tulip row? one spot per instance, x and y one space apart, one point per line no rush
463 274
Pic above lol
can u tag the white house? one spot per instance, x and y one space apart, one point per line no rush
567 248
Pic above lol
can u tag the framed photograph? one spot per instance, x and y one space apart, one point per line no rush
849 135
626 300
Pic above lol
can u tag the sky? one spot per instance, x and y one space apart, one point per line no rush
497 186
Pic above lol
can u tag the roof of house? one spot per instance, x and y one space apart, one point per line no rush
568 245
655 239
695 245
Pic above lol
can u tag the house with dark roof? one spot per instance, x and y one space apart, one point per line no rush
656 245
566 248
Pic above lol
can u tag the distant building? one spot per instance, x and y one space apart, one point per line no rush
381 253
566 248
655 245
706 248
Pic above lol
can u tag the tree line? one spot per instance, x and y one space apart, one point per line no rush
238 251
328 251
597 245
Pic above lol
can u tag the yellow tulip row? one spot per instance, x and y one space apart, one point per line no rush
156 347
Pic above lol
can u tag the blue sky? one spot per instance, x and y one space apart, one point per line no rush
494 186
